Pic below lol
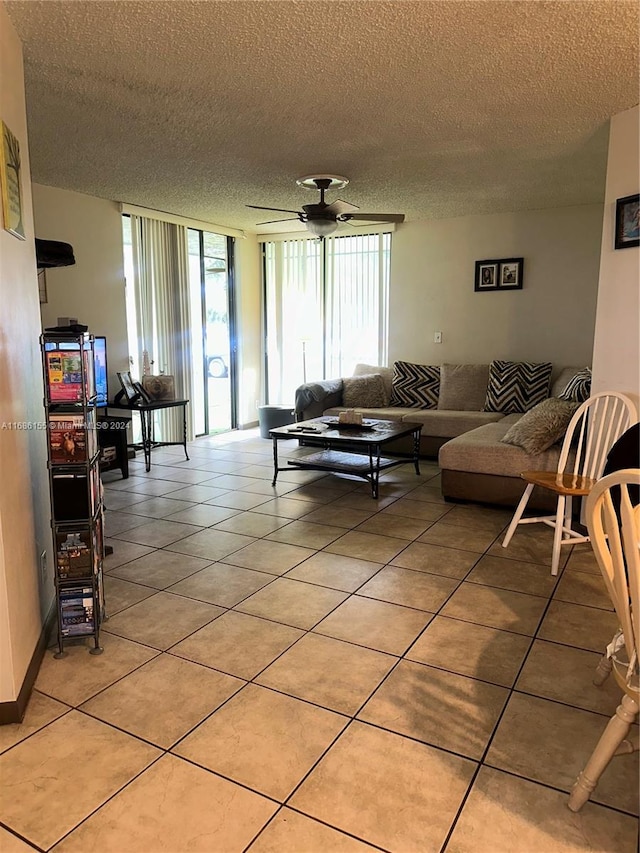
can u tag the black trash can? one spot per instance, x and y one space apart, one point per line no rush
270 417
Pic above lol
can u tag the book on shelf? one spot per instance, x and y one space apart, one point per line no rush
73 554
71 439
76 611
75 495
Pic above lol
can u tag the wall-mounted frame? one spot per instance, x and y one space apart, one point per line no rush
10 179
627 222
499 274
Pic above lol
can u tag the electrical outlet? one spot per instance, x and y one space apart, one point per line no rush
43 565
437 337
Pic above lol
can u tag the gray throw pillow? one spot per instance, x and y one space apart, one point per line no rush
463 387
541 427
365 392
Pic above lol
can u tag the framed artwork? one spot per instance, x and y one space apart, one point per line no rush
128 386
11 183
627 222
510 277
42 286
487 275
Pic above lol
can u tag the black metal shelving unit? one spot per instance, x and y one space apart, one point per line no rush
76 492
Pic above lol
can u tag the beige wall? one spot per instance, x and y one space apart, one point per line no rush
616 351
551 319
248 301
93 288
24 492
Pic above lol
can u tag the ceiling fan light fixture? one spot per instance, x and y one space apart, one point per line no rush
321 227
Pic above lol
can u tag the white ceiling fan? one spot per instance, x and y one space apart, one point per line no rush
321 218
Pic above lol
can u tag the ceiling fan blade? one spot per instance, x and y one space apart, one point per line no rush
339 207
375 217
271 221
277 209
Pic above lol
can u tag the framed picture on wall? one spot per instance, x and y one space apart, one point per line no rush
487 275
510 277
627 222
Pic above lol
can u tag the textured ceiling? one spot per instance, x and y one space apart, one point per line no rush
432 109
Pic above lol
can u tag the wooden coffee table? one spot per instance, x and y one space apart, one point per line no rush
347 449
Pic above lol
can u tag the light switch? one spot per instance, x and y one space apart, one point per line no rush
437 337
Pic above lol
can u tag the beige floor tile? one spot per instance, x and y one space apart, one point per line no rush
116 522
141 486
163 700
252 524
515 575
386 789
201 492
306 534
583 588
207 814
550 743
123 552
430 494
238 644
285 508
575 625
339 516
256 739
51 768
314 493
328 672
367 546
160 569
496 608
583 559
394 525
10 843
238 500
374 624
479 517
203 515
468 649
335 571
76 677
456 536
159 507
292 831
566 675
273 557
294 603
162 620
158 533
211 544
436 560
41 710
356 500
119 594
422 510
412 589
121 500
532 543
222 584
437 707
506 813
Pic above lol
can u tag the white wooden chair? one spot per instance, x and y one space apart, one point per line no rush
615 538
593 429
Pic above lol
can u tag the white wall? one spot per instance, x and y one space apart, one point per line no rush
551 319
616 351
24 492
248 302
93 288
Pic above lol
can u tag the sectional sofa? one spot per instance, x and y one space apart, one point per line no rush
476 464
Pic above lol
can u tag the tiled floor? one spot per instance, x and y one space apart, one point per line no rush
304 669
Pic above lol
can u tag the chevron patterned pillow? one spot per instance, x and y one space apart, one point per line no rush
578 387
517 386
415 386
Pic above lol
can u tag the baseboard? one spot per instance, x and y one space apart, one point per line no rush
13 712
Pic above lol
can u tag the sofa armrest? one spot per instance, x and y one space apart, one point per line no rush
313 398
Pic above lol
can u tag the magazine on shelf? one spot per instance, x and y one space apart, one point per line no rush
71 439
64 375
73 554
76 611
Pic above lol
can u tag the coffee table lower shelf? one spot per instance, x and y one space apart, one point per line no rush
339 462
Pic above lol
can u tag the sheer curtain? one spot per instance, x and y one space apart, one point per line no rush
161 284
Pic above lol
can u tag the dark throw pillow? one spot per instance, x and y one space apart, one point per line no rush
541 427
415 386
517 386
578 387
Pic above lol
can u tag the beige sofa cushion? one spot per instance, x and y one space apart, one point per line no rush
463 387
391 413
483 452
385 372
441 424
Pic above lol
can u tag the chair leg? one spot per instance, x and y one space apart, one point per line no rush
615 733
517 515
603 670
557 536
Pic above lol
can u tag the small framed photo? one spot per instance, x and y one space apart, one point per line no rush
128 386
510 277
487 275
627 222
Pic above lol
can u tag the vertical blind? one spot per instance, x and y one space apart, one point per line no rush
326 308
